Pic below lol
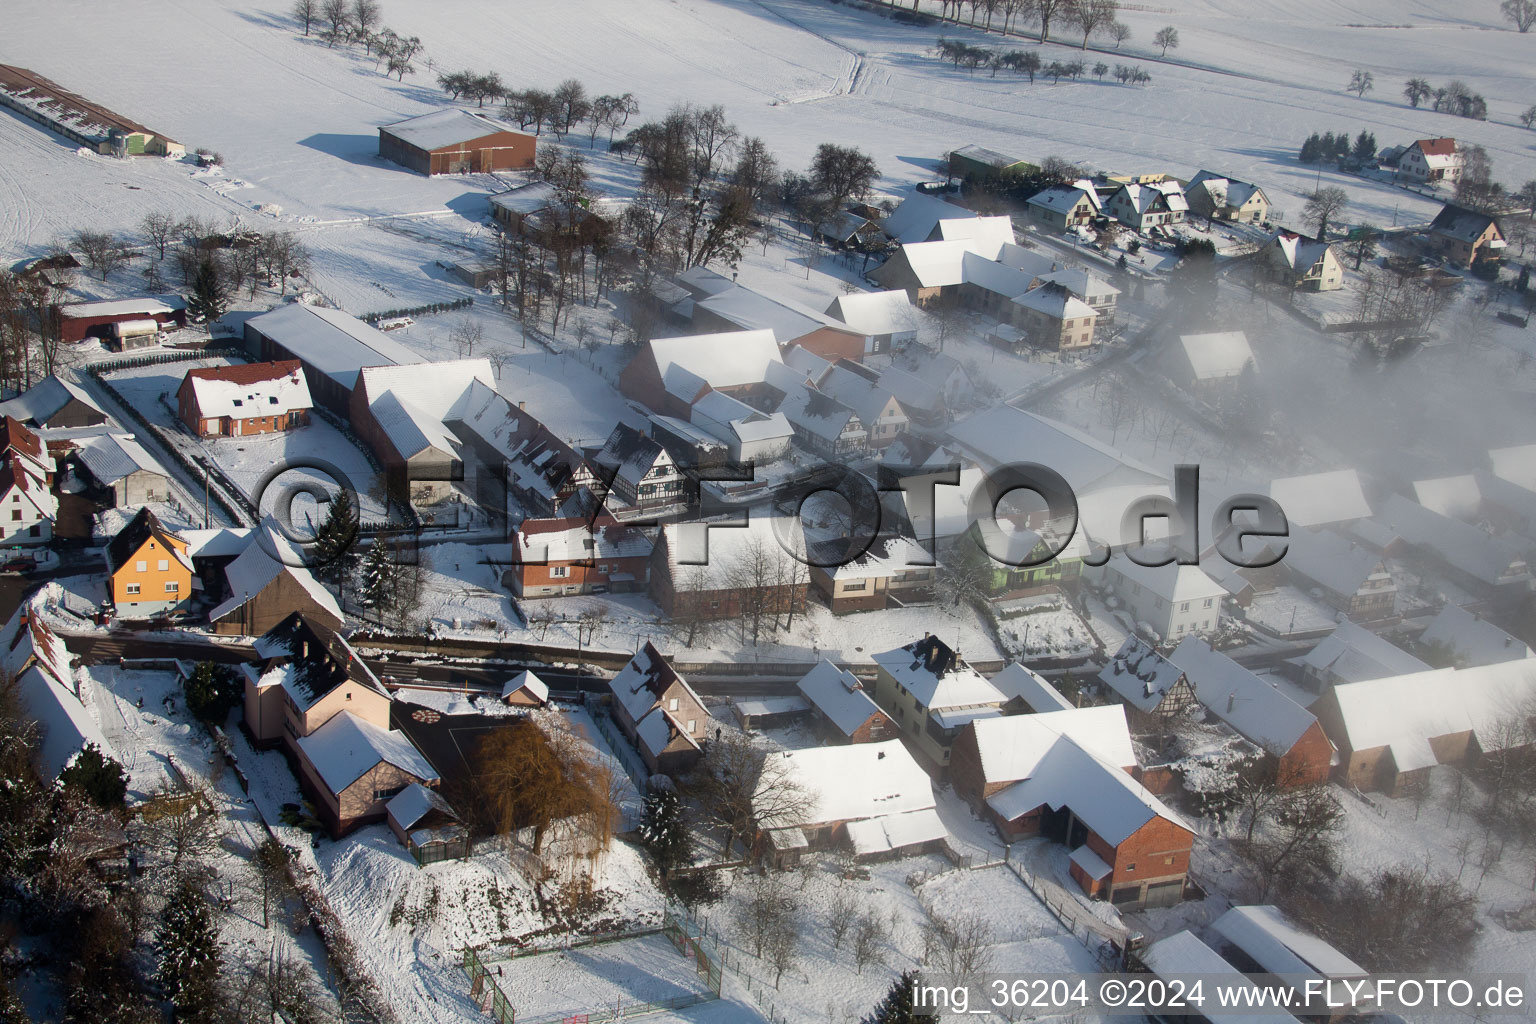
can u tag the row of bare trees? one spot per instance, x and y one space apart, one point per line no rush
359 23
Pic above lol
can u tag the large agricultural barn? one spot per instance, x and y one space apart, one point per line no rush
78 119
455 141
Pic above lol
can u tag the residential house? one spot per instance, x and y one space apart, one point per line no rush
892 570
1148 682
1172 600
1052 318
33 656
1212 362
668 375
1064 207
148 570
927 271
928 396
1143 207
659 712
824 425
742 308
1466 237
1469 554
353 768
1301 263
29 507
402 414
456 141
886 319
1430 160
843 707
560 557
54 403
872 797
246 398
305 674
1331 498
1081 284
1352 653
23 449
1390 731
1352 579
853 230
988 287
1258 712
638 475
119 464
733 570
1067 775
519 463
932 694
266 583
525 690
107 319
1218 197
859 388
750 434
1464 638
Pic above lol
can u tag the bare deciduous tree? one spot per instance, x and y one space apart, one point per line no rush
102 251
743 787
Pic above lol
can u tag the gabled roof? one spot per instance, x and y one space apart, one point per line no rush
1140 675
819 414
414 803
875 313
330 341
630 454
1472 637
936 677
111 457
346 748
1080 283
1182 954
1435 147
838 694
1331 560
1225 192
752 310
525 199
1455 496
526 681
1317 499
1462 224
1035 264
1493 560
267 556
1032 688
66 724
990 157
28 639
575 539
316 659
918 217
859 393
1258 711
16 437
1299 252
1517 464
937 264
728 359
1056 302
1064 198
144 305
141 529
1172 582
46 399
1280 947
640 683
1004 434
1352 653
1011 747
1146 198
411 430
991 276
1218 355
855 781
433 388
989 234
250 389
447 127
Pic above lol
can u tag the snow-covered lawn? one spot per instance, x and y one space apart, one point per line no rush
1287 609
610 976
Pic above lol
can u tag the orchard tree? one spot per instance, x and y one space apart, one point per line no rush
1361 82
1044 11
1092 15
1520 13
306 13
1119 31
841 173
1416 91
1167 37
102 251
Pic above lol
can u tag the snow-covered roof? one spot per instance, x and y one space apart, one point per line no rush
1064 198
1472 638
989 234
1352 653
849 782
335 344
1258 711
818 413
752 310
250 389
1004 434
892 832
1032 688
838 694
1012 746
526 198
885 557
1318 499
1101 795
729 359
658 729
1182 954
1140 675
983 155
737 422
1080 283
917 218
1090 863
1331 560
66 724
1217 355
1145 197
875 313
525 680
1035 264
1172 582
576 539
1405 712
315 659
147 305
936 677
413 803
1454 496
991 276
41 402
1493 560
1516 464
938 264
28 639
111 457
1279 946
1223 191
346 748
218 542
1299 252
1461 224
861 394
728 546
433 388
1056 302
638 686
447 127
410 429
267 556
630 454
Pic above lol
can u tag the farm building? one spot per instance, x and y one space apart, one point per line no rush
842 705
1352 579
1261 940
1321 499
78 119
248 398
872 797
120 464
1215 361
1029 691
266 583
456 141
400 413
885 318
108 320
1469 639
54 403
668 375
1183 953
1351 654
979 163
332 347
715 579
741 308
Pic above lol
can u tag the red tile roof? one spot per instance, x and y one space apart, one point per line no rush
1437 147
14 435
248 373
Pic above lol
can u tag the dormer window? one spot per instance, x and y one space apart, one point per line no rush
239 401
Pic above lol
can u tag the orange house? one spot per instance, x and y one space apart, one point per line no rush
148 568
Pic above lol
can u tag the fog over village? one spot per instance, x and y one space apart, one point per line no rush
765 510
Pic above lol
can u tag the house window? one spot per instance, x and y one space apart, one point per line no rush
36 531
1209 601
15 515
672 704
141 565
559 572
172 586
385 794
603 568
692 725
1183 606
1130 867
1167 860
132 588
165 564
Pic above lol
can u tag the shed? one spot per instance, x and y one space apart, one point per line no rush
456 141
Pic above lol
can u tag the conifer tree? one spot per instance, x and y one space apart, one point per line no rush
376 589
188 973
208 301
897 1008
663 831
335 538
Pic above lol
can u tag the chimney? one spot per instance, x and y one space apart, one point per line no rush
1231 702
304 650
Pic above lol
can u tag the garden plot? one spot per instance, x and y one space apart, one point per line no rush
602 978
